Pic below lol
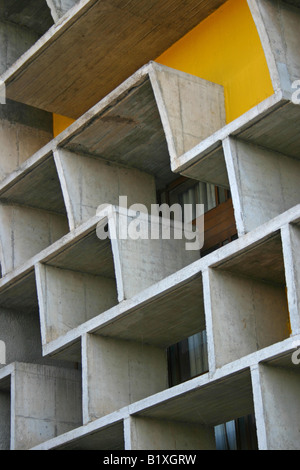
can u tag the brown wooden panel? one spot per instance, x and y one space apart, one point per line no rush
219 225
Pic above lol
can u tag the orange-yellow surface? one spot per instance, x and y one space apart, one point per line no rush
60 123
226 49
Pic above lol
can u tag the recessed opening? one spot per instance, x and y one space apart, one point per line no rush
5 413
249 301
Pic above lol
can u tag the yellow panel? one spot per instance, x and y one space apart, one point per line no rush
60 123
226 49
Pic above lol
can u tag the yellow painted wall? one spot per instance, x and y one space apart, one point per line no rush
226 49
60 123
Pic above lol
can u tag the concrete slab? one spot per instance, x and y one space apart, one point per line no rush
52 87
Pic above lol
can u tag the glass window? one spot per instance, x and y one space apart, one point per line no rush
239 434
188 359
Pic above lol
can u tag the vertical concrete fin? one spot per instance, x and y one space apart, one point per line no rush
259 408
291 248
259 196
278 26
89 182
119 373
191 108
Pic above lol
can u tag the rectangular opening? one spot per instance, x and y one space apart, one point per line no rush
249 301
76 285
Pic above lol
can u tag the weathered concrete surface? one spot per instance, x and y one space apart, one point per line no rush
263 183
278 26
55 409
23 131
24 232
88 183
59 7
191 109
153 434
291 246
130 254
69 298
32 14
57 81
247 315
279 390
117 373
14 40
36 184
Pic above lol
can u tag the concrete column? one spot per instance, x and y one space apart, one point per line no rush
278 26
264 183
191 108
59 7
117 373
89 182
5 420
276 395
157 434
247 315
291 248
46 402
68 298
25 231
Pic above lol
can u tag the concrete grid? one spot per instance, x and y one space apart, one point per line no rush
86 322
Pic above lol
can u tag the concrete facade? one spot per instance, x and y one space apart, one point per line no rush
86 323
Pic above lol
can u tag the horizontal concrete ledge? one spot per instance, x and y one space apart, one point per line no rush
247 124
141 113
35 184
110 322
161 404
53 88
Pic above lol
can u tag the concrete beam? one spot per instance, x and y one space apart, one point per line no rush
154 434
117 373
263 183
41 73
256 255
153 114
